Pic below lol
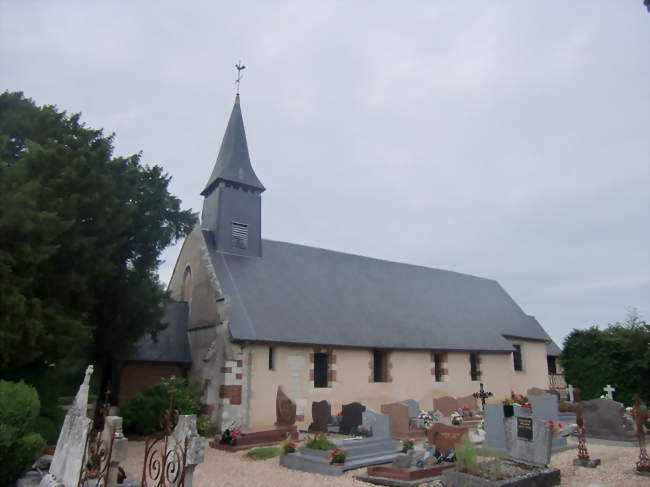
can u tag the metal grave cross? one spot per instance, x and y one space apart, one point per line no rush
570 390
609 390
482 395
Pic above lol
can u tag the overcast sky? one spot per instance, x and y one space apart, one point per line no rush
505 139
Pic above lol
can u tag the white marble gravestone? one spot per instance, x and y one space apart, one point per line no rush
68 456
186 429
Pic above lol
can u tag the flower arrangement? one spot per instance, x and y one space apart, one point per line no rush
425 418
467 412
337 455
456 419
555 427
407 445
519 399
289 447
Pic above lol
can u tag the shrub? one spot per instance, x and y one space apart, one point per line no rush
320 442
141 415
19 445
466 456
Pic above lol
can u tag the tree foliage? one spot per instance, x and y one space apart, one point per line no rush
81 233
618 355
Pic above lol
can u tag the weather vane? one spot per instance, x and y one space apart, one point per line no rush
240 67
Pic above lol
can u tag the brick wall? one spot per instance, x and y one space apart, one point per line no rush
135 377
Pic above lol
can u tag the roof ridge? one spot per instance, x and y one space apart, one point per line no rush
378 259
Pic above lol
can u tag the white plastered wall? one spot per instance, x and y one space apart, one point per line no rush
410 372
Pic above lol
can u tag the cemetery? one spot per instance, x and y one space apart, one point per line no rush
504 448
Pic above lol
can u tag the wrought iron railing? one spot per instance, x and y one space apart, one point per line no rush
556 381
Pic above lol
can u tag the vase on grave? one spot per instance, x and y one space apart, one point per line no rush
508 410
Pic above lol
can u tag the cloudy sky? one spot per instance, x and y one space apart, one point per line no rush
505 139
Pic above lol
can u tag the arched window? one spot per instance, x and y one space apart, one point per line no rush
186 290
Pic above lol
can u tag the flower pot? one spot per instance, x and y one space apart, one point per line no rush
508 410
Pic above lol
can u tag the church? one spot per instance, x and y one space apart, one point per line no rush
251 314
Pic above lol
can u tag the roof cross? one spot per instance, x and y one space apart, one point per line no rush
240 67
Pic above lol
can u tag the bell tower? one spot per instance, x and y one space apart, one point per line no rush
232 205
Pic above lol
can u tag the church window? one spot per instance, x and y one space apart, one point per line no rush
474 366
552 366
271 358
437 366
516 356
186 289
320 369
380 366
239 235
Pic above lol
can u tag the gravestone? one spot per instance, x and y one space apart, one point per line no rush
468 402
445 437
378 423
68 456
285 409
528 440
283 429
605 419
446 405
352 417
399 418
184 430
321 411
609 390
414 407
495 436
535 391
546 407
570 390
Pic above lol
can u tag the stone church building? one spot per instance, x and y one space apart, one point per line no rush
252 314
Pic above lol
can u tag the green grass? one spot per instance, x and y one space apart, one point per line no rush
265 452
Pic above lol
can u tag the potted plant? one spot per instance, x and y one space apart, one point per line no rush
407 445
508 408
456 419
337 456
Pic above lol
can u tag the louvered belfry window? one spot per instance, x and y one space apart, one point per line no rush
239 235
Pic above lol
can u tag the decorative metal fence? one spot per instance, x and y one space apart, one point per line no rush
165 458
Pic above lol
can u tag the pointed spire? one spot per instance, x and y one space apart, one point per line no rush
233 162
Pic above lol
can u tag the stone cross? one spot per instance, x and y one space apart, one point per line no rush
609 390
570 390
482 395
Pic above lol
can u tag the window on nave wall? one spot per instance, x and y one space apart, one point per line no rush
186 290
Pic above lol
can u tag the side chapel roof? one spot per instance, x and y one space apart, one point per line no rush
171 345
306 295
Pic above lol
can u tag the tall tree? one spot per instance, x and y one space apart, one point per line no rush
81 234
618 355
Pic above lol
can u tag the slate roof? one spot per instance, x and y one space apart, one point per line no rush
305 295
172 344
553 349
233 162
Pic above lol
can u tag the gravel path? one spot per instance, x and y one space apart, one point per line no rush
223 469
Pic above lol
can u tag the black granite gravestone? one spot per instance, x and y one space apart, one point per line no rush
352 417
320 413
